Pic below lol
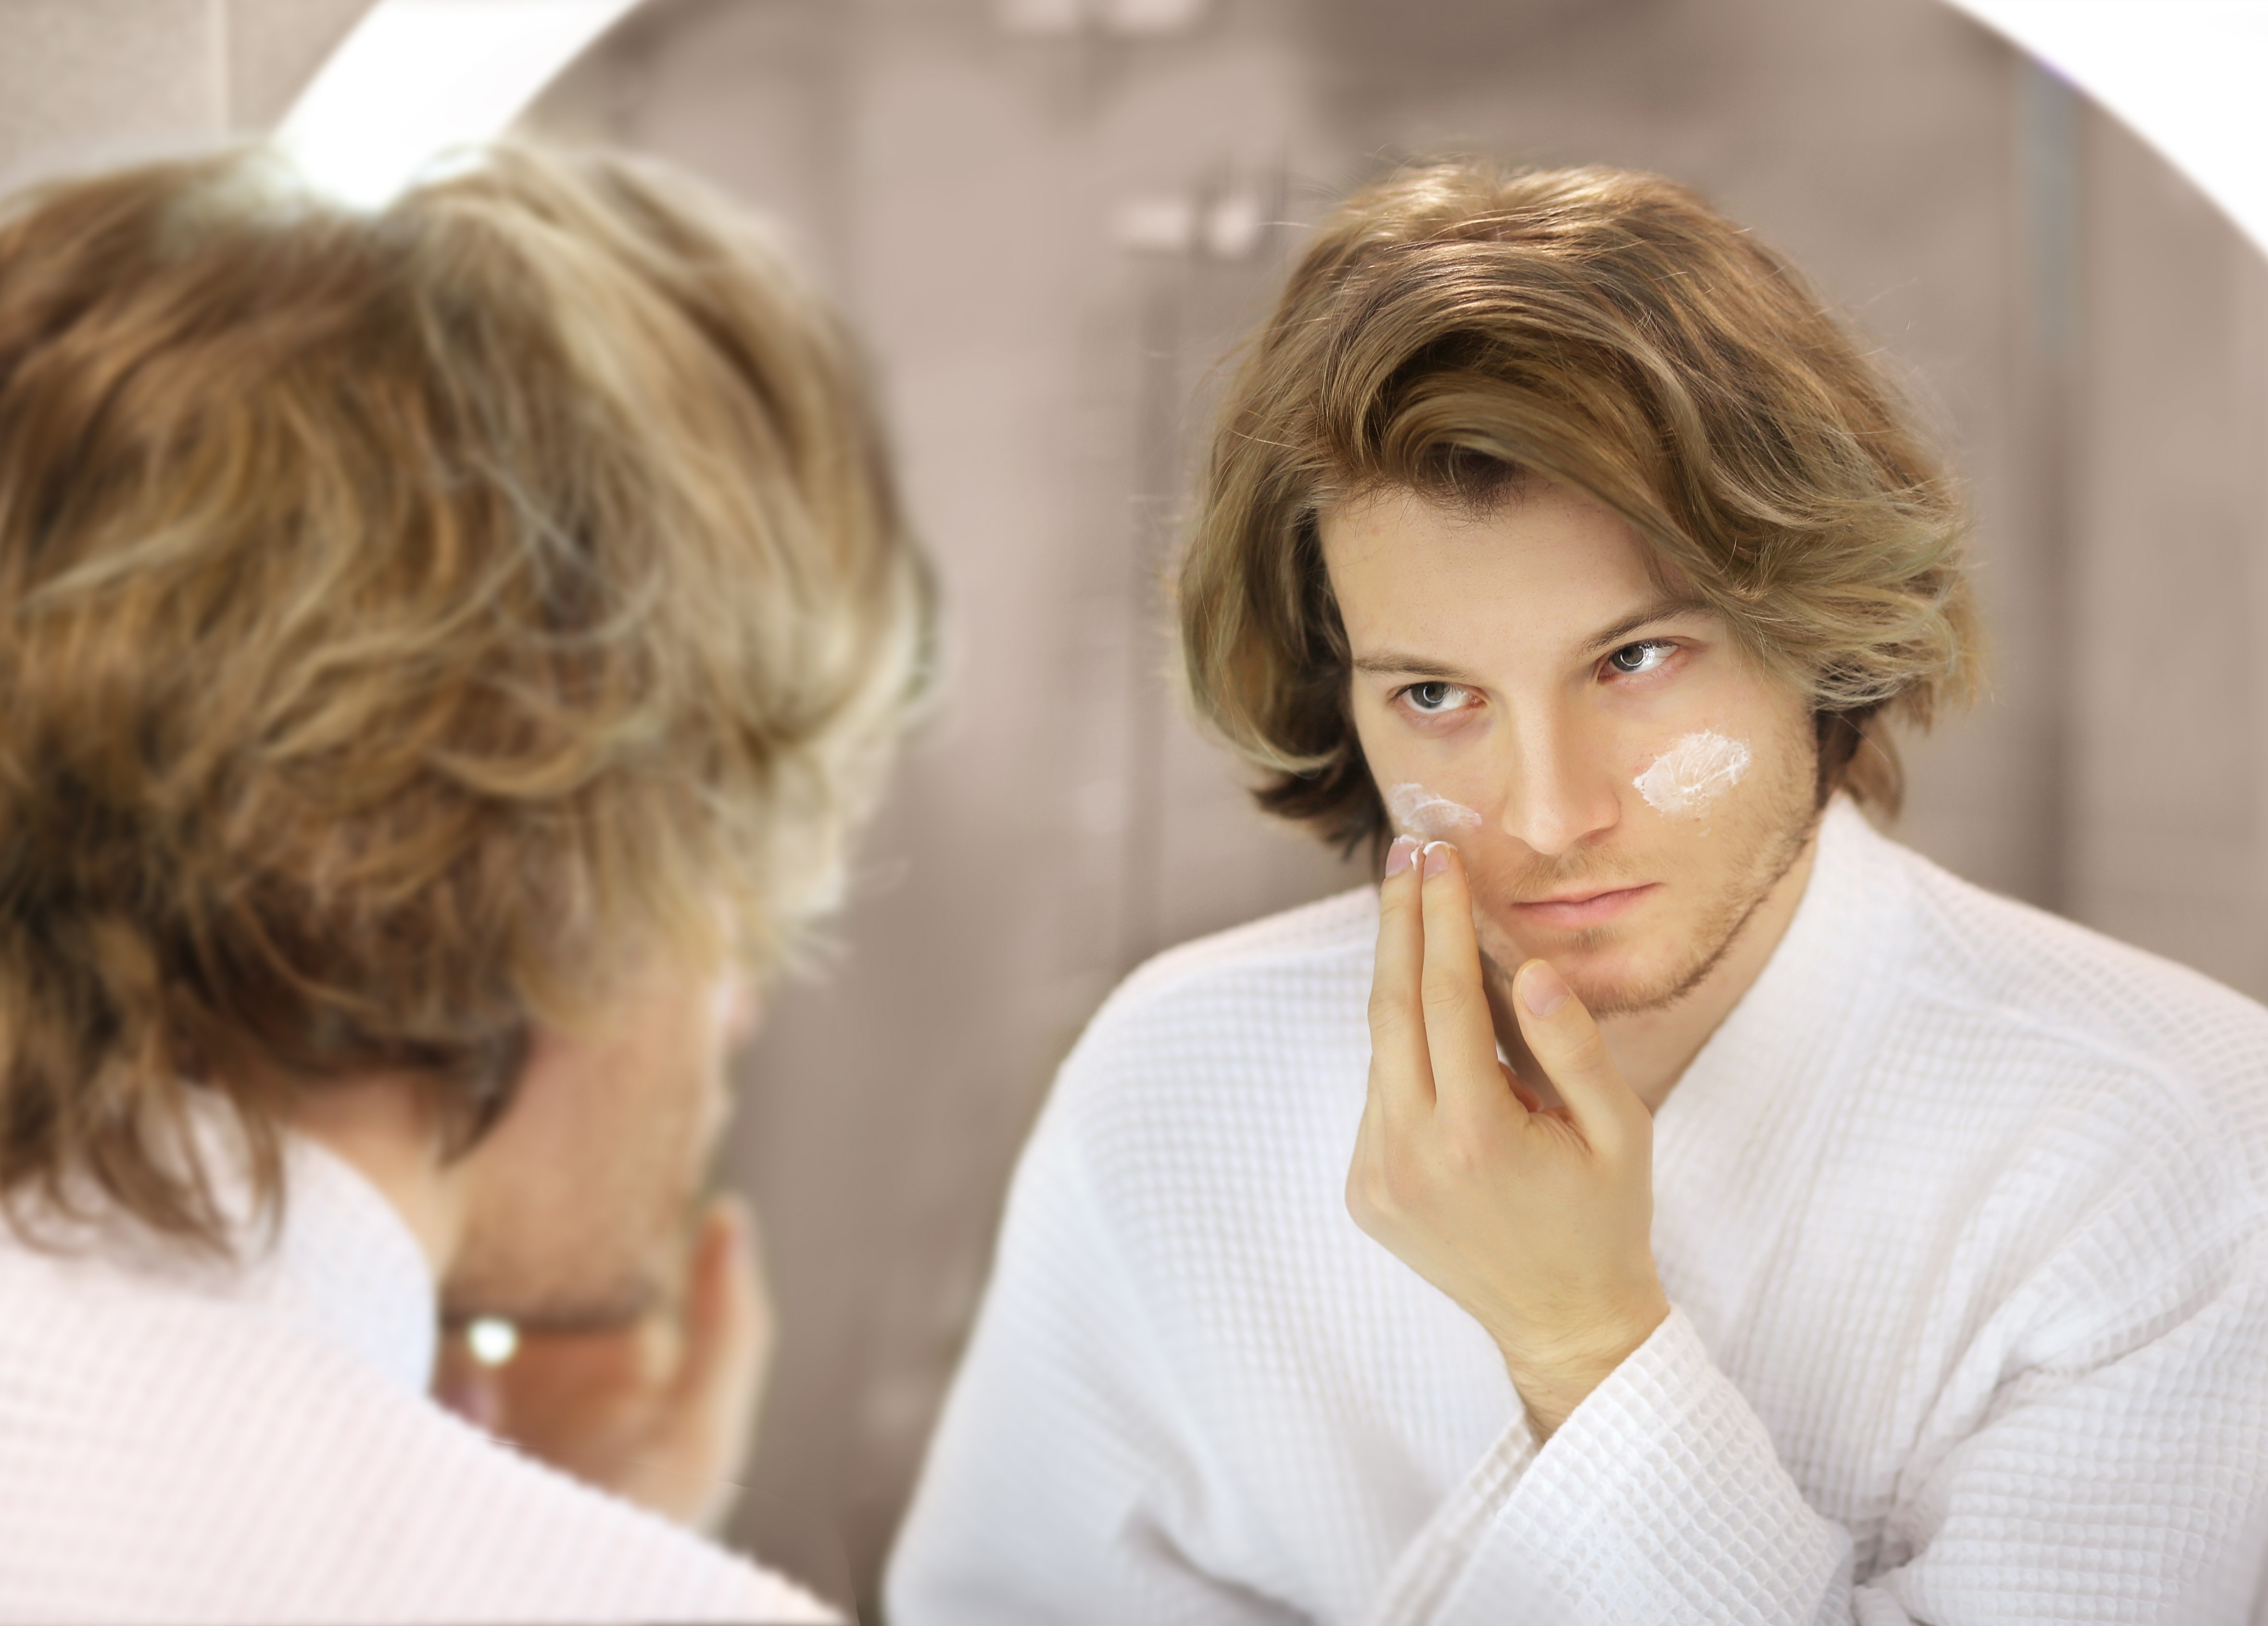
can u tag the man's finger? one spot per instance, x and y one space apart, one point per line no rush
708 1416
1460 1037
1401 1074
466 1385
1568 1046
725 1314
1366 1193
1518 1086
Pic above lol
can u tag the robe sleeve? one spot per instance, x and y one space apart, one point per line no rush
2129 1488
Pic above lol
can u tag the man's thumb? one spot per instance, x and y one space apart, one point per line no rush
1573 1053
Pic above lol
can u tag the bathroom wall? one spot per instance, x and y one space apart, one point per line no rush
1051 219
1036 210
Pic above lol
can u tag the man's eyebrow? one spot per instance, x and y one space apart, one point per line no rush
1393 663
1396 663
1660 609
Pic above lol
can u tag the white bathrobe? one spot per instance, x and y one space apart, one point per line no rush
1960 1212
198 1443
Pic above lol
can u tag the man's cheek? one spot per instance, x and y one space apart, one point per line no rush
1694 773
1500 946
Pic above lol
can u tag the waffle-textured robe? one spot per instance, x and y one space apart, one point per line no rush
184 1442
1960 1212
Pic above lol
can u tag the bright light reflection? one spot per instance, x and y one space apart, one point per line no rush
2184 75
417 77
492 1340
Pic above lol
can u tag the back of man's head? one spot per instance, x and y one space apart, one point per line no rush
1455 330
407 619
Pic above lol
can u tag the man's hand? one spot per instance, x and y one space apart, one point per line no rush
659 1411
1536 1221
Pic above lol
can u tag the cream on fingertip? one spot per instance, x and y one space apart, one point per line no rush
1401 855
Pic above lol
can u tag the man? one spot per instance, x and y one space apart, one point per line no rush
447 649
1663 1199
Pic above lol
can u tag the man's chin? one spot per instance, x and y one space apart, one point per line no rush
585 1306
1604 971
1629 996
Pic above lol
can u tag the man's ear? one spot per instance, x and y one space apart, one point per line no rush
739 1007
482 1088
1854 754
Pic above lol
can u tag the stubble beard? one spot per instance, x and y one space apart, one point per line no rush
1779 838
540 1294
594 1259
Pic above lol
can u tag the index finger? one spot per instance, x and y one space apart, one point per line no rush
1460 1034
704 1426
1401 1074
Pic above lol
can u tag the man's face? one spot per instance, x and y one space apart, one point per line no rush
579 1201
1624 783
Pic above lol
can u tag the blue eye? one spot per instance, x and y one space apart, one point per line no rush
1433 696
1633 658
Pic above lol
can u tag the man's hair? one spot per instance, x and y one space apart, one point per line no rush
1455 331
408 619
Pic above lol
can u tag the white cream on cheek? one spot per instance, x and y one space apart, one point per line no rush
1417 811
1683 781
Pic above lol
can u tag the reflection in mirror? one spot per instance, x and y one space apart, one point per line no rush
1053 221
1016 217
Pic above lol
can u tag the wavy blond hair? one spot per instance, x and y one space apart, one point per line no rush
407 619
1455 329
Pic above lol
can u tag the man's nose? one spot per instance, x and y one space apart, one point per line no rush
1559 791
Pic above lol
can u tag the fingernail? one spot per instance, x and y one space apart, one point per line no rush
1401 855
1542 988
737 1220
1436 858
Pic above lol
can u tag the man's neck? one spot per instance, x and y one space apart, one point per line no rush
1654 1048
381 1126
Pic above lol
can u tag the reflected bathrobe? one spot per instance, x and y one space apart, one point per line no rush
186 1441
1960 1213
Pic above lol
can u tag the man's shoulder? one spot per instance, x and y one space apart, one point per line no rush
1319 942
2060 995
173 1455
1283 981
2051 972
1252 1022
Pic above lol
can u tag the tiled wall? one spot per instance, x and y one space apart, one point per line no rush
88 82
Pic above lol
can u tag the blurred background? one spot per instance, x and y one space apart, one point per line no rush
1052 218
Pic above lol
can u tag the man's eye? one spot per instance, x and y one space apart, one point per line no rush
1633 659
1434 697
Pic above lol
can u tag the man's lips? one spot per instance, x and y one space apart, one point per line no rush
1572 911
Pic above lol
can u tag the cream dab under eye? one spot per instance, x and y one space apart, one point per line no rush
1417 811
1693 773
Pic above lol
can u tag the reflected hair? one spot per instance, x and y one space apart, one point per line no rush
1456 330
408 619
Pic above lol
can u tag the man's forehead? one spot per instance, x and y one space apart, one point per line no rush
1539 526
1549 568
